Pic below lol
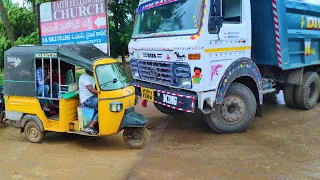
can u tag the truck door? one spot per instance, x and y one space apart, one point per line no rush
234 39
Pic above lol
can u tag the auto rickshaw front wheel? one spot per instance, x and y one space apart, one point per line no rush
33 132
136 138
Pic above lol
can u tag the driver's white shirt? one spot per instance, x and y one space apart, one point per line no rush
85 80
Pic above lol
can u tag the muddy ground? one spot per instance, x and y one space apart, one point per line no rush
284 144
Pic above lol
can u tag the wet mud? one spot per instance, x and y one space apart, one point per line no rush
283 144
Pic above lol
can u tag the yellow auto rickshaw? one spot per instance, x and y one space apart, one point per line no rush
116 96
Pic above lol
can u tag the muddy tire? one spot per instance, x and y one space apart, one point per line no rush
136 138
236 112
33 132
2 123
306 95
289 95
166 110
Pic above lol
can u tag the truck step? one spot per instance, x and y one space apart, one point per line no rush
268 85
207 110
266 91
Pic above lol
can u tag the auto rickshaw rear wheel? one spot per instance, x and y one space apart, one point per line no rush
33 132
136 138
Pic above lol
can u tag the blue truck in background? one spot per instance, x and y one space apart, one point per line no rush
222 56
286 48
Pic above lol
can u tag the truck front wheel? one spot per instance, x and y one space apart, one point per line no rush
236 111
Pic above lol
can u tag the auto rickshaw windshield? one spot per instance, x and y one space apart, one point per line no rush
111 77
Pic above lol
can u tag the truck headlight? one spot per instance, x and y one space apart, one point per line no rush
135 74
184 82
116 107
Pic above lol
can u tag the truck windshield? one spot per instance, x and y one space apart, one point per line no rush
111 77
174 18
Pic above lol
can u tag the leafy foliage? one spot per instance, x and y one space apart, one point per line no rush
22 22
4 45
121 25
23 26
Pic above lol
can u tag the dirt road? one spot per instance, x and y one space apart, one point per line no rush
65 156
284 144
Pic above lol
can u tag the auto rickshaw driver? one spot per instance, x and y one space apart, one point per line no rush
88 97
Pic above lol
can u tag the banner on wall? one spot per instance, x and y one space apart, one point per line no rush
74 22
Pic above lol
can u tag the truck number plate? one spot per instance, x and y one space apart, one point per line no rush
147 94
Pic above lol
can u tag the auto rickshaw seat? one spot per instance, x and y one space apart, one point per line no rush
70 91
70 95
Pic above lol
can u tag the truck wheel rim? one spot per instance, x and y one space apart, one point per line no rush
232 110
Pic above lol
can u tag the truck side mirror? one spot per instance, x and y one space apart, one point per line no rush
215 24
216 19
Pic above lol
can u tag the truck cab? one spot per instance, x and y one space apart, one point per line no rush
218 56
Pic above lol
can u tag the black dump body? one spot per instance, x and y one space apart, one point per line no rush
19 64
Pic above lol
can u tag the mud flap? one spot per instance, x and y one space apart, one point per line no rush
133 119
259 110
28 118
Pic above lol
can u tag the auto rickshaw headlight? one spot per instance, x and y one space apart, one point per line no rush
136 74
116 107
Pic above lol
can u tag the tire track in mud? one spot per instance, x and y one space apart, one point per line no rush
157 130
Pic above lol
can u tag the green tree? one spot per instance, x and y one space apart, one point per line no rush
24 29
6 21
34 4
8 4
121 26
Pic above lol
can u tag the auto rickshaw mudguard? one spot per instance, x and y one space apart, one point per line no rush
28 118
133 119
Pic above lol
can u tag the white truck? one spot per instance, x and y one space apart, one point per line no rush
221 56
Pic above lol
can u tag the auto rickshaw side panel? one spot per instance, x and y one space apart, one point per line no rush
29 106
68 113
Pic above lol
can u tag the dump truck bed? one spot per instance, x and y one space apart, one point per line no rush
286 33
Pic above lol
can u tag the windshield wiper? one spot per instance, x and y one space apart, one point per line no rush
107 84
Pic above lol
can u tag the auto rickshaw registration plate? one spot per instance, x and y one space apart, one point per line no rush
147 94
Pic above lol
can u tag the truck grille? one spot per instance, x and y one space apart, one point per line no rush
166 73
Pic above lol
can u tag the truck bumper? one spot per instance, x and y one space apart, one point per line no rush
172 98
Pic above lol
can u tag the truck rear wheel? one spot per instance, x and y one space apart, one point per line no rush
289 95
236 111
166 110
307 93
